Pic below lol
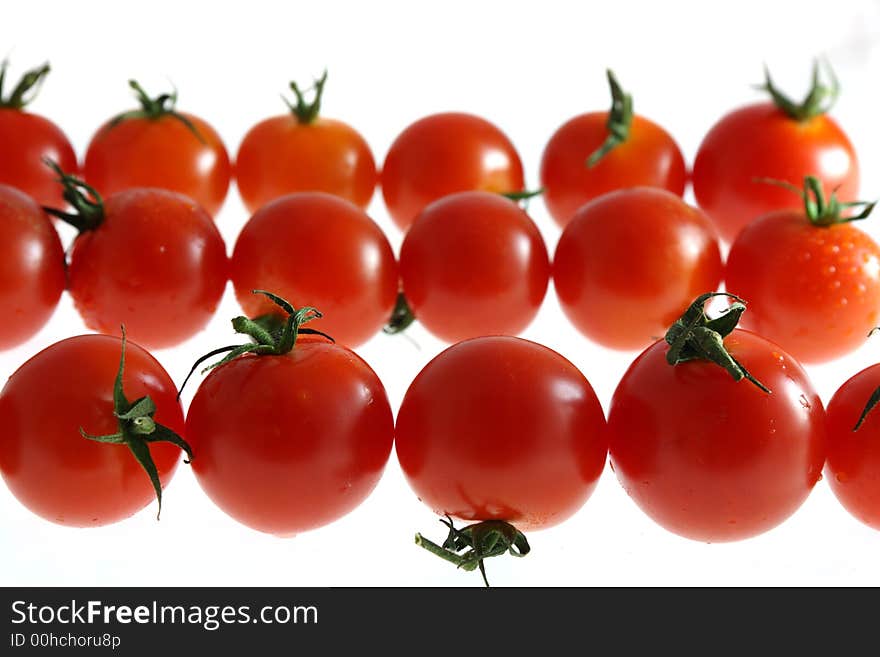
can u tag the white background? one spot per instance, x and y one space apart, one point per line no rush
526 67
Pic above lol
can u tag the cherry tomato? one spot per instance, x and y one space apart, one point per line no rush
777 140
301 151
157 146
31 267
28 139
445 153
318 250
147 258
501 428
813 283
853 465
595 153
48 465
630 262
287 442
473 264
711 458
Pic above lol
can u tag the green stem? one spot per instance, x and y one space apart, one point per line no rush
819 100
819 211
154 109
469 547
694 336
619 121
83 198
266 338
401 317
137 429
307 112
26 89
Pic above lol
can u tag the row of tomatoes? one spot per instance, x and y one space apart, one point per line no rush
715 432
591 154
473 263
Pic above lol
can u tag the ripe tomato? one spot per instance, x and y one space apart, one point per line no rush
853 460
147 258
630 262
473 264
28 139
68 388
705 454
595 153
301 151
157 146
500 428
31 267
287 441
778 140
318 250
445 153
811 278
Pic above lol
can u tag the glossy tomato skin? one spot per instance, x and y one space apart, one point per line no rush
760 141
48 465
473 264
290 443
630 262
814 290
442 154
649 157
157 264
710 458
853 465
280 156
315 249
501 428
161 152
27 140
31 267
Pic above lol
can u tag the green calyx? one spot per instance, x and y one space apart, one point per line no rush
26 89
154 109
401 317
819 210
83 198
819 100
271 335
468 547
304 111
619 121
524 197
873 400
137 429
694 336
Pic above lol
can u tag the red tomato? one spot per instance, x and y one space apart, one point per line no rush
711 458
48 465
27 140
813 288
473 264
853 465
630 262
299 152
31 267
158 146
147 258
445 153
288 442
641 153
318 250
501 428
769 140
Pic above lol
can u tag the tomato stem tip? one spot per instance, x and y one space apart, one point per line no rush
467 548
